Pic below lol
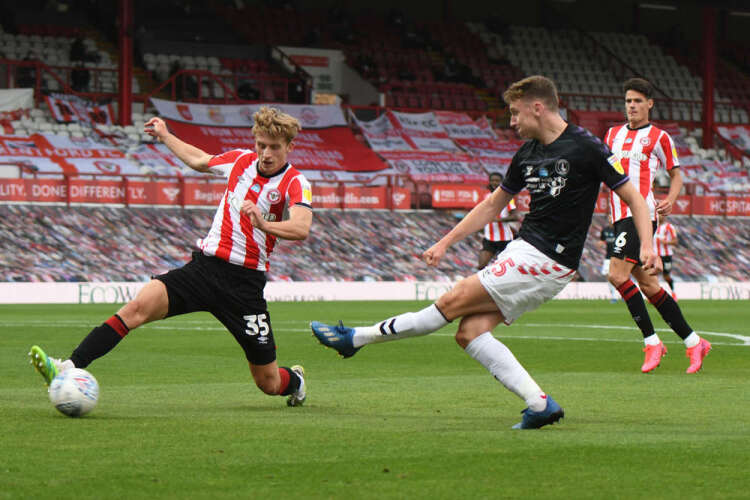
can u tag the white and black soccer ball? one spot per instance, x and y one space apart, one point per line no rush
74 392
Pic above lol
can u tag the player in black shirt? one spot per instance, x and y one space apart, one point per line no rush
562 166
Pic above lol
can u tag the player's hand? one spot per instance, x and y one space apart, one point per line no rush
156 128
433 255
651 261
664 207
251 210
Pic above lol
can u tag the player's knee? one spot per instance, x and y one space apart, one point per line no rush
134 313
617 278
464 336
650 288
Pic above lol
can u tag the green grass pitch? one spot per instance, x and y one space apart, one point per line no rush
179 415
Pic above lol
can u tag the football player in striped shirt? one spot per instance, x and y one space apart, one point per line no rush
665 240
562 166
641 148
226 275
497 234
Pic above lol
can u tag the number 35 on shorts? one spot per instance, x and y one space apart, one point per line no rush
257 324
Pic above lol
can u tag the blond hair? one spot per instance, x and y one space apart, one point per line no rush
275 123
533 87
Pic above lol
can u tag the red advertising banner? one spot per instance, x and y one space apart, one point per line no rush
456 195
683 206
201 193
110 192
191 193
360 197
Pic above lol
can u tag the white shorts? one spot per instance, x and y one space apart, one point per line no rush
522 278
605 267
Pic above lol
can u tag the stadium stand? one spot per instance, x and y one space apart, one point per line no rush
417 65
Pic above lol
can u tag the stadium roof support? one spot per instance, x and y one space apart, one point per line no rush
709 71
125 65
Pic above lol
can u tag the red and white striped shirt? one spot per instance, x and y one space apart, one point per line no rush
640 152
664 239
500 231
232 237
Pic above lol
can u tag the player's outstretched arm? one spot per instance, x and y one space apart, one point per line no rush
475 220
193 157
628 193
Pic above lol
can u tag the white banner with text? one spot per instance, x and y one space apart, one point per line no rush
307 291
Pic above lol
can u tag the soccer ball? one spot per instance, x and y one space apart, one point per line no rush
74 392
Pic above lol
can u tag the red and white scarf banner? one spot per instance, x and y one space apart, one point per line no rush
325 143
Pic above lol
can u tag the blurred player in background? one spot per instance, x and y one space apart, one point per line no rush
226 275
665 240
562 166
607 240
641 148
498 233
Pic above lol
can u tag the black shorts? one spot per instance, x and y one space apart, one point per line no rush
627 242
494 247
232 293
666 261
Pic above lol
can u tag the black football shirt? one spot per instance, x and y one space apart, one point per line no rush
563 179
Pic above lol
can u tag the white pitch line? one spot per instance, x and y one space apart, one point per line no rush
72 323
744 339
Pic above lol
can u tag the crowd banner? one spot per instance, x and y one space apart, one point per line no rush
68 108
738 136
241 115
434 166
438 146
325 143
299 291
50 153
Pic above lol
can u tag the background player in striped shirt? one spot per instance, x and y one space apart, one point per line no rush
498 233
641 148
665 240
226 276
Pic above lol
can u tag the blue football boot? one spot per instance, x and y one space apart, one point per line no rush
536 419
337 337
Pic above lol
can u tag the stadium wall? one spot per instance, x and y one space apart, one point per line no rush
282 291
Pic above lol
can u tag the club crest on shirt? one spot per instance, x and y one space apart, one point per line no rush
541 179
273 196
562 167
645 141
